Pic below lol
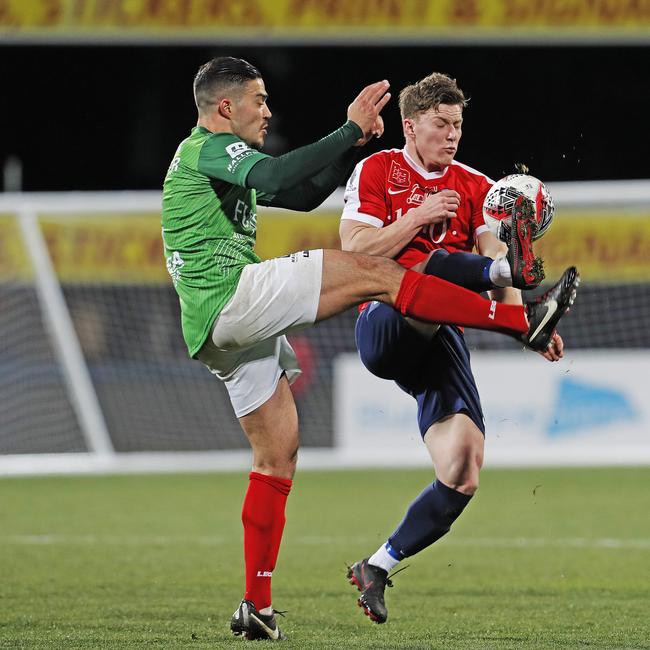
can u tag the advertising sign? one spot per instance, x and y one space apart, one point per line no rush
590 408
608 247
324 21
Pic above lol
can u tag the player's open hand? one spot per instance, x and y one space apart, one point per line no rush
436 208
555 349
366 108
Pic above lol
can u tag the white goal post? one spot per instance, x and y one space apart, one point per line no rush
93 376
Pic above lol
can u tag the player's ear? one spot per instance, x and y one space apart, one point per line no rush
224 107
408 127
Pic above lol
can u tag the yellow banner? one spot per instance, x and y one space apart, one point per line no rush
94 248
322 19
610 247
14 264
606 247
128 248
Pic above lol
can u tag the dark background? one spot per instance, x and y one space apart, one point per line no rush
90 118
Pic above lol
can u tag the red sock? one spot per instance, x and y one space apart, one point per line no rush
438 301
263 519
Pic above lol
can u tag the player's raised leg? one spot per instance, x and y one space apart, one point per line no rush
351 278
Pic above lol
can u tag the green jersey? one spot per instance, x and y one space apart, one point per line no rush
208 226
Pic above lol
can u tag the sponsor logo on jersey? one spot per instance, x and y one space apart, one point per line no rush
245 216
236 148
174 164
294 257
419 193
493 309
238 151
174 265
398 175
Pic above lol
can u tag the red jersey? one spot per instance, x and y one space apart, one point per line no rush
386 185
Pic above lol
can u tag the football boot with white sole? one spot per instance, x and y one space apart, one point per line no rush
249 623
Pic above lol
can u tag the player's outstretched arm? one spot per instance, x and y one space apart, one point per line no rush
309 194
274 175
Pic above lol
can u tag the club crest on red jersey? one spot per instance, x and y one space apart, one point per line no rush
398 175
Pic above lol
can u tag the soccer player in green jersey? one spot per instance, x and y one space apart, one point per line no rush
236 309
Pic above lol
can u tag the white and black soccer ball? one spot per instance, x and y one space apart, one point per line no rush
500 199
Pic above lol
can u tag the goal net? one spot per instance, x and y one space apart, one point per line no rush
93 368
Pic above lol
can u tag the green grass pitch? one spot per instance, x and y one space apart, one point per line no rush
540 559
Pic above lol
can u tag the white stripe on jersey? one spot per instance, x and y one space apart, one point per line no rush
352 202
360 216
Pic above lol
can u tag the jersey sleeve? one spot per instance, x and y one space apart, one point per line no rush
227 158
365 193
478 222
263 198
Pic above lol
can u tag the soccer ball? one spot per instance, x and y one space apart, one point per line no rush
500 199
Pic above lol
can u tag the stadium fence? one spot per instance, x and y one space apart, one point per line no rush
94 375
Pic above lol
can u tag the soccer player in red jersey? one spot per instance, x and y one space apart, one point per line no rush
236 309
421 207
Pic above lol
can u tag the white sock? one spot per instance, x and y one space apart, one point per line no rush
500 274
383 559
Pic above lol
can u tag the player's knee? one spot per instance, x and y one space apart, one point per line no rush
469 485
280 462
387 346
463 469
373 263
281 467
379 275
471 467
376 360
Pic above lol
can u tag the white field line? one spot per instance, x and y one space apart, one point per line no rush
314 540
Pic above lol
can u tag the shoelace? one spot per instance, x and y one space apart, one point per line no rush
389 582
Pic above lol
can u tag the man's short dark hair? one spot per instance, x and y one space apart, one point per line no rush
220 74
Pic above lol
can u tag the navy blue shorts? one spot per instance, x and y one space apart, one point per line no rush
435 371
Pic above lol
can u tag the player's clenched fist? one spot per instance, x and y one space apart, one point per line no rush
365 110
436 208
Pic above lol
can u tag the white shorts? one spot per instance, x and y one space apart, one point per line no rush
247 349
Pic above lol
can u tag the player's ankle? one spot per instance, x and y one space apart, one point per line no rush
500 273
383 559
